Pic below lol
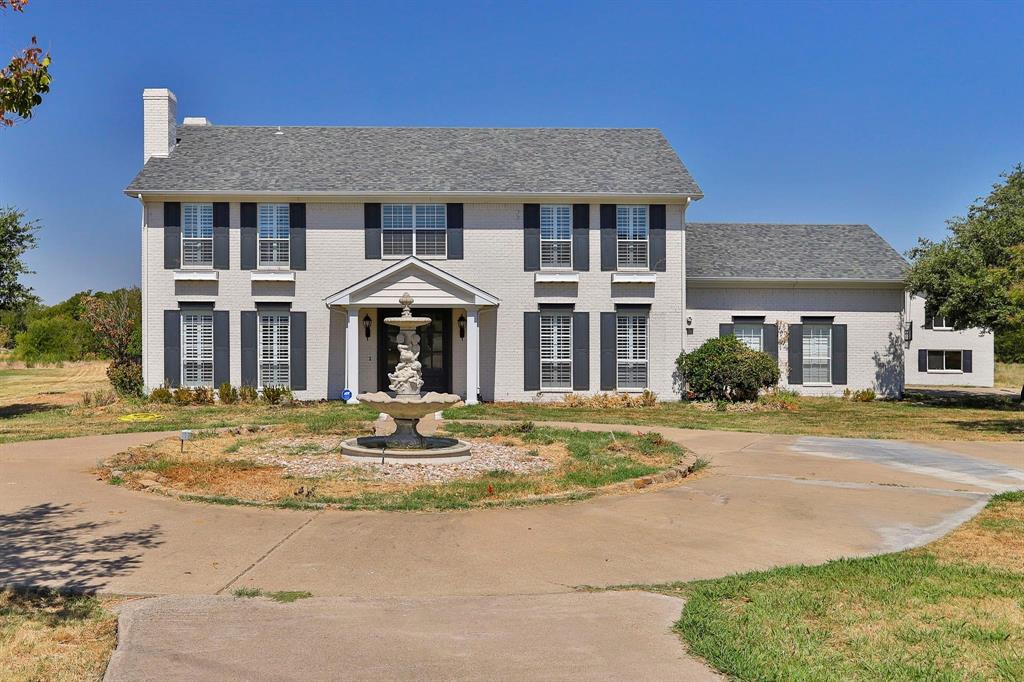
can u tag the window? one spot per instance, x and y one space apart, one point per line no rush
817 354
197 235
941 324
273 222
274 359
631 228
945 361
555 236
751 334
414 229
197 348
556 350
631 350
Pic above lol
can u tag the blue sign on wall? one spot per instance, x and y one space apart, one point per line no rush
346 395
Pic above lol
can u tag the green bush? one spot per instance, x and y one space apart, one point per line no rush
228 394
50 339
161 394
725 369
864 395
1010 346
275 395
126 378
248 394
183 395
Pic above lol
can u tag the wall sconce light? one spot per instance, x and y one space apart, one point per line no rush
462 326
367 322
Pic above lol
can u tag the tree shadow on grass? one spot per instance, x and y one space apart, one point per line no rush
1014 427
44 545
19 409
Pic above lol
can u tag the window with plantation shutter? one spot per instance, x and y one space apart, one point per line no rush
632 237
555 237
274 358
197 348
631 350
414 229
817 347
197 235
556 350
273 234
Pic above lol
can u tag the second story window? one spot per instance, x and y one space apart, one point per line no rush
414 230
273 223
632 237
556 237
197 235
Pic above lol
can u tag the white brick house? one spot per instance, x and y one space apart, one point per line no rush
553 260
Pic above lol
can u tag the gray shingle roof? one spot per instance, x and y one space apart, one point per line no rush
767 251
344 160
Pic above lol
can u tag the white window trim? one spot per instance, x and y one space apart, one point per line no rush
647 352
944 370
260 265
944 328
184 358
556 268
647 241
803 356
183 239
558 389
760 327
259 346
414 230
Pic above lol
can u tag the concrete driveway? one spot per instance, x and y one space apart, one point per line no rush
765 501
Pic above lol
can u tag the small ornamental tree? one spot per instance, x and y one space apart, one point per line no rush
724 368
116 321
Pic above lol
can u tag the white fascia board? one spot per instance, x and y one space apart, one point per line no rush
795 282
500 197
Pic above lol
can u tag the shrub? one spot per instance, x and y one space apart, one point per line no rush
228 394
725 369
779 399
602 401
50 339
202 395
1009 346
864 396
182 395
98 398
248 394
126 378
161 394
275 395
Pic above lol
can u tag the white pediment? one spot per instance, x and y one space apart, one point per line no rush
429 285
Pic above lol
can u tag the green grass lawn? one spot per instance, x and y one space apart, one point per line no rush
978 419
1009 375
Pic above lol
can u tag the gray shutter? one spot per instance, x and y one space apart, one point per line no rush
453 212
968 362
656 234
581 351
771 340
297 236
172 235
796 354
221 237
531 237
221 347
581 237
922 360
839 354
609 233
531 351
371 231
297 336
250 353
247 234
725 329
172 347
608 357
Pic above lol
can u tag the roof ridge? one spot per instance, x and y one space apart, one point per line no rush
412 127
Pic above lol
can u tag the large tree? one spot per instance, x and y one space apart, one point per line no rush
17 236
975 276
24 80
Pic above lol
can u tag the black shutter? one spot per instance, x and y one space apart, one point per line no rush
770 335
581 237
221 237
371 231
581 351
922 360
531 237
221 347
172 347
928 321
531 351
250 354
172 235
725 330
455 224
609 227
839 354
297 336
247 233
796 354
968 362
297 236
608 361
659 250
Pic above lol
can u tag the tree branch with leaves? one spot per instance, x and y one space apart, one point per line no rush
25 80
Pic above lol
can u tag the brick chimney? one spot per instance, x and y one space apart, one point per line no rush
159 118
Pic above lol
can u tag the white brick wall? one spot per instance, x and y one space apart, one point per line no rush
980 343
159 120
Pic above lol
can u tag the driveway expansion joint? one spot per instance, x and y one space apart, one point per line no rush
270 551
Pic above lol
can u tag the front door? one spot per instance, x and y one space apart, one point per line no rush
435 348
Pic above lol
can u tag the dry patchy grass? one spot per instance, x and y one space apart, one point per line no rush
1009 375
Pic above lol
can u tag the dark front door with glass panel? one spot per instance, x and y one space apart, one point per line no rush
435 348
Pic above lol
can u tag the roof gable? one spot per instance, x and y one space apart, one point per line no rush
429 286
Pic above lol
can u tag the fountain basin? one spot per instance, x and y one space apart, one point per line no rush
434 451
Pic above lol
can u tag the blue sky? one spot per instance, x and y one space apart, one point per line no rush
892 114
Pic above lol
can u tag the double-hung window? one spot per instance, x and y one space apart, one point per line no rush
940 324
632 235
197 235
414 230
817 354
750 334
556 237
273 223
945 361
631 350
197 348
273 353
556 350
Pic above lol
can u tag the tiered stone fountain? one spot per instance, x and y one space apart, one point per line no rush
408 406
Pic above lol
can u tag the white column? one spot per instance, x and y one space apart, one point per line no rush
472 355
352 354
